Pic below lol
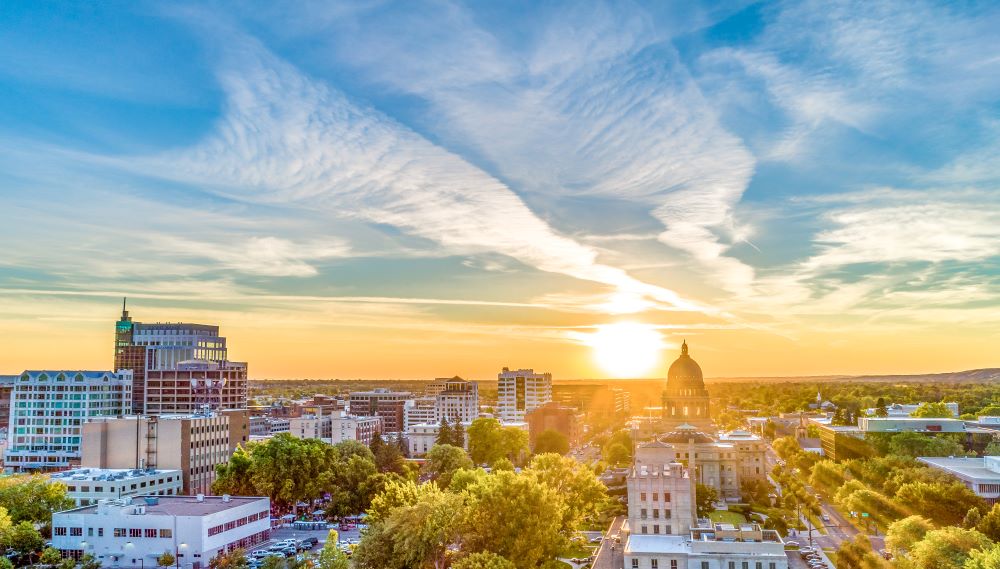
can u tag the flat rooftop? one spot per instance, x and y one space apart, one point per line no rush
95 474
667 544
176 505
969 468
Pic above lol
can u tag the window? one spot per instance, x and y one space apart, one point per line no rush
59 531
76 532
732 565
656 529
645 530
134 532
150 532
654 564
642 496
771 565
100 532
656 514
656 497
642 513
673 564
704 565
746 565
166 533
635 564
760 565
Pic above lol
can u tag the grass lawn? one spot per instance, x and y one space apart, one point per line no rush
577 550
727 517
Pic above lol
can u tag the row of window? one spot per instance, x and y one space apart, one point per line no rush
656 496
215 530
656 514
162 533
655 564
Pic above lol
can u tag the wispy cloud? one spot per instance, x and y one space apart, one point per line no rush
290 140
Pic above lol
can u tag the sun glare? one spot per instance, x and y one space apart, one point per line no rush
626 349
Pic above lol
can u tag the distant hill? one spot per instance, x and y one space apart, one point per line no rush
968 376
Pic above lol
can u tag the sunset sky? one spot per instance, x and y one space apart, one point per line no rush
411 190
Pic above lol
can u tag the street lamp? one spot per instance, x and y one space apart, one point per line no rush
177 558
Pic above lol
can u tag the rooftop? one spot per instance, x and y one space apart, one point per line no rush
966 467
174 505
93 474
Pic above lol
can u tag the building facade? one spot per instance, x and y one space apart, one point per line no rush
566 421
520 392
86 486
134 532
178 367
193 444
48 409
458 401
420 438
660 492
979 474
420 411
388 405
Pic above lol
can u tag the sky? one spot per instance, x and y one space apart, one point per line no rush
421 189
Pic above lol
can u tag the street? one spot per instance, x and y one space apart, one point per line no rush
610 556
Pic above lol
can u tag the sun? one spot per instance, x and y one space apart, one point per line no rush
626 349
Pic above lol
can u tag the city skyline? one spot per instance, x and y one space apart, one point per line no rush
793 188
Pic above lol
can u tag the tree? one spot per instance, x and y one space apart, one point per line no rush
423 532
987 558
484 440
50 556
166 560
6 564
705 499
445 433
235 559
920 444
24 539
33 498
992 449
88 561
583 494
972 518
458 434
946 548
234 477
68 563
944 502
331 557
617 454
483 560
443 461
551 441
516 517
273 562
902 535
933 410
880 408
989 525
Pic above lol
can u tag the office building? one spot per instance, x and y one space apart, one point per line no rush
520 392
48 408
335 428
420 411
420 438
134 532
979 474
458 401
566 421
193 444
178 367
388 405
87 486
660 492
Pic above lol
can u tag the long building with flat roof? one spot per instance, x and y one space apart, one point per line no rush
979 474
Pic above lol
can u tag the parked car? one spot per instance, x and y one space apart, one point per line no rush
309 542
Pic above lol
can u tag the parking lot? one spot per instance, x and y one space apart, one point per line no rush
283 533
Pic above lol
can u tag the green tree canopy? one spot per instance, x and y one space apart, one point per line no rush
551 441
33 498
932 409
443 461
946 548
583 494
167 559
986 558
235 559
489 441
483 560
902 535
705 499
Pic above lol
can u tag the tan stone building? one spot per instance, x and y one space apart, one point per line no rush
685 399
193 444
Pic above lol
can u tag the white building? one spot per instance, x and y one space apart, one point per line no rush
87 486
459 401
521 391
48 409
721 546
907 409
134 532
421 438
663 532
979 474
420 411
335 428
910 424
660 492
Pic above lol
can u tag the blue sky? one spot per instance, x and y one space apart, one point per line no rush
809 178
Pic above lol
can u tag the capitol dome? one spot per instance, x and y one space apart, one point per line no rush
685 373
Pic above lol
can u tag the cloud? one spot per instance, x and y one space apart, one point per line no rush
286 139
593 102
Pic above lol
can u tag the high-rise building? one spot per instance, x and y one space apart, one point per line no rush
48 408
388 405
178 367
564 420
421 411
193 444
521 391
458 401
6 389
